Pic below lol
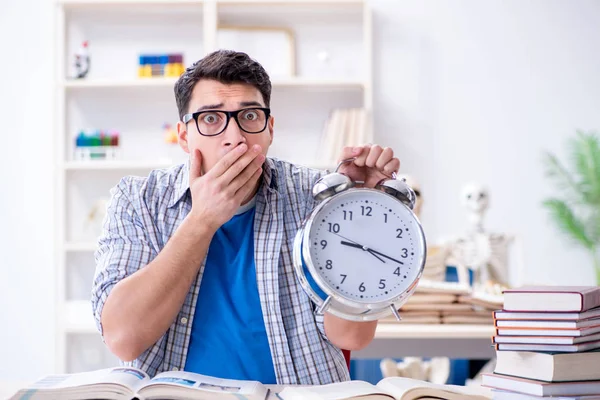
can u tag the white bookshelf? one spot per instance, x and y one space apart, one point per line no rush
113 97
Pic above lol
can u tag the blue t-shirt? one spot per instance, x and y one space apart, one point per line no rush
229 339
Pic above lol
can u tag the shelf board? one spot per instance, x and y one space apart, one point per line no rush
78 317
119 83
80 247
433 331
98 165
185 2
108 3
169 82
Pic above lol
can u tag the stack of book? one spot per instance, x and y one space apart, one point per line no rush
436 302
547 344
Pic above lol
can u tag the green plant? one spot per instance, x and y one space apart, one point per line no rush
577 211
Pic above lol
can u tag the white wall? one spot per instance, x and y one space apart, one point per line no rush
470 90
26 203
465 90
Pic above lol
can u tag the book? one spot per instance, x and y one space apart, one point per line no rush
465 319
504 395
428 298
395 388
548 332
559 348
547 324
546 339
124 383
550 367
483 300
570 316
540 388
552 298
436 307
429 286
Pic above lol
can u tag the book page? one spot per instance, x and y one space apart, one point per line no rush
335 391
411 389
119 382
168 384
122 376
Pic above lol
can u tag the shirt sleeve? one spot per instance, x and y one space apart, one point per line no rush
123 246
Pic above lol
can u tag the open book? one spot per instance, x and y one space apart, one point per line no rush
392 388
123 383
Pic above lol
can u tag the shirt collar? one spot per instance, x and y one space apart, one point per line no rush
182 181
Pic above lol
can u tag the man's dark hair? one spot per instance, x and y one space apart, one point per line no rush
225 66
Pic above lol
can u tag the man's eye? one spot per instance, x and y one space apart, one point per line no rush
251 115
210 118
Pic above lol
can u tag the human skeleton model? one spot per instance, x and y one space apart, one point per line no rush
483 252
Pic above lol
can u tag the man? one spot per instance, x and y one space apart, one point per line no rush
194 265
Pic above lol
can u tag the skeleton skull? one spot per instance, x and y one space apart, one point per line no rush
475 198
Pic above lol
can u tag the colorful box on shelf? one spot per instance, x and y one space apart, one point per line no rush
163 65
99 145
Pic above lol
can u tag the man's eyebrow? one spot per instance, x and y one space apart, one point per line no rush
250 103
210 107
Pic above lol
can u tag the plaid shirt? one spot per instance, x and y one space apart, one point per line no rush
145 212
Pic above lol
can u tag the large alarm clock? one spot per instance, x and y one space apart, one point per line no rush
361 252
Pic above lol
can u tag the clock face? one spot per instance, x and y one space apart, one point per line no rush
366 246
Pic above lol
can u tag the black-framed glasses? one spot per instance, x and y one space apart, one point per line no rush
214 122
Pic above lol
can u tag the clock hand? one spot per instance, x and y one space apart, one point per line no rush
388 257
358 246
373 252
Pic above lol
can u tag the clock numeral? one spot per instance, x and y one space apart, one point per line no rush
347 215
399 235
366 210
335 228
382 284
362 287
343 278
385 218
397 271
323 244
404 253
328 264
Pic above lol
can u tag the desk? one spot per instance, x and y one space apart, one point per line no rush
397 340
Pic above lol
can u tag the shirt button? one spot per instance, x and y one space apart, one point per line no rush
175 369
183 321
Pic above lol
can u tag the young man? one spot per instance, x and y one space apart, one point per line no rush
194 265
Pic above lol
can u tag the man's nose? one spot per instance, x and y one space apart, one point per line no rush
233 135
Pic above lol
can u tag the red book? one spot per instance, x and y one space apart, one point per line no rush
552 298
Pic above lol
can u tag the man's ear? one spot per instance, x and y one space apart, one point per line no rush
182 135
270 125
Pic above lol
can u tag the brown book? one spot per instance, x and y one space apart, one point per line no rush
556 348
546 339
547 324
593 313
540 388
552 298
466 319
550 367
548 332
487 301
438 307
421 298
